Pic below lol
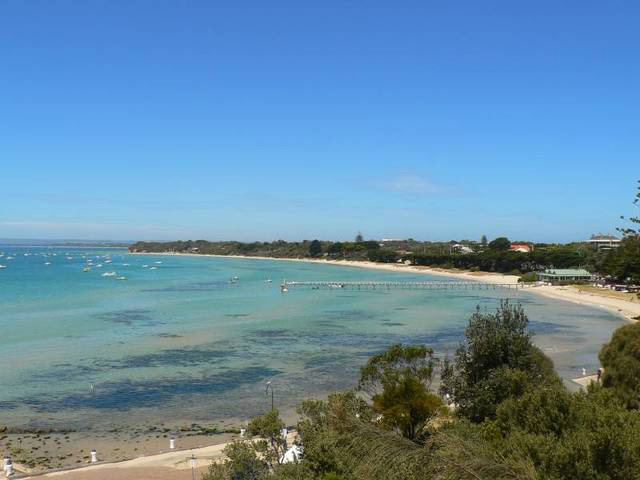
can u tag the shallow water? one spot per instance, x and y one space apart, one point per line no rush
82 350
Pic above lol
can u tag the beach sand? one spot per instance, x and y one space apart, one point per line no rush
171 465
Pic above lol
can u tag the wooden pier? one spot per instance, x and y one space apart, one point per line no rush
428 285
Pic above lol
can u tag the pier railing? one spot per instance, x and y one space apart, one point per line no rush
382 285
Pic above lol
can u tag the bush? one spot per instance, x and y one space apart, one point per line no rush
621 361
528 277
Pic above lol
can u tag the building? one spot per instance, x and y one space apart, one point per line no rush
565 276
604 242
459 248
521 247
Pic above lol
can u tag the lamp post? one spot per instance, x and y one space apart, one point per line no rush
266 392
192 460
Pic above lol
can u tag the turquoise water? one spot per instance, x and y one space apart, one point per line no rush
179 341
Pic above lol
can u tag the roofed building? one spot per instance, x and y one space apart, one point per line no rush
521 247
565 276
604 242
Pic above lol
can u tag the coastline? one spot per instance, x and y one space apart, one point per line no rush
623 308
167 465
171 464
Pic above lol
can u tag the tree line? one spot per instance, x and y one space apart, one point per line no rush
620 264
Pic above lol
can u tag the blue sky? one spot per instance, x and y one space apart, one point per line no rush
265 120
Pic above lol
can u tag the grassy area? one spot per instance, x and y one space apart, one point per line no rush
605 292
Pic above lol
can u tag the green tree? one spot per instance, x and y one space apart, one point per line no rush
621 361
633 220
500 243
569 436
335 249
315 248
241 463
270 445
623 263
483 241
399 381
528 277
359 238
371 245
496 361
549 409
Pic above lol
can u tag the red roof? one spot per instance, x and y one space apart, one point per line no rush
521 246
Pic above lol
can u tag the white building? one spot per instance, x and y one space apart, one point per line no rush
604 242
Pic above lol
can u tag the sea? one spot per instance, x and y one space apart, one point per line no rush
151 338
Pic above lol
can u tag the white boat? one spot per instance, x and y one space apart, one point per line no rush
145 266
3 266
268 280
47 263
99 265
86 269
125 264
158 262
9 258
153 268
109 274
107 261
121 278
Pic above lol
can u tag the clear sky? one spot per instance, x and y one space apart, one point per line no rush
270 119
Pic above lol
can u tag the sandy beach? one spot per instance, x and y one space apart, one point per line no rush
170 465
627 308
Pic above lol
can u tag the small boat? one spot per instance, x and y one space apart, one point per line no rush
47 263
268 280
284 288
86 269
145 266
3 266
153 268
158 262
125 264
10 258
99 265
109 274
121 278
107 261
69 258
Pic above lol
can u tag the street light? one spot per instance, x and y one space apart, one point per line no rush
266 392
193 467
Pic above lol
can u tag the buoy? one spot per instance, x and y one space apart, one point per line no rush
242 431
94 456
172 443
